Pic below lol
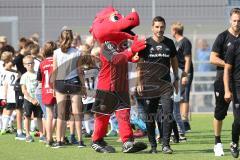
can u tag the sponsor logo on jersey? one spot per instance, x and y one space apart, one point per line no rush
159 55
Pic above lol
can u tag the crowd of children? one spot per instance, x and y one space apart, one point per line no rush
50 89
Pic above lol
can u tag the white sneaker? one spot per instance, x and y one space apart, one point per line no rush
218 150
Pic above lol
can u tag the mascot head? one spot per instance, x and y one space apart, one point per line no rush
110 25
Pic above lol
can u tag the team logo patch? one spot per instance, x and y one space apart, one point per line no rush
167 49
151 50
109 46
159 48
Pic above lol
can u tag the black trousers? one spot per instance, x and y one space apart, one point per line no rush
236 114
163 115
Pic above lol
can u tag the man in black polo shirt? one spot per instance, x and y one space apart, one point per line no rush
232 91
220 46
154 83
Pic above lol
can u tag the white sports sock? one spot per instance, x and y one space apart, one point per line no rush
5 120
112 121
83 125
111 124
19 131
10 123
0 122
12 118
33 125
14 114
91 124
87 126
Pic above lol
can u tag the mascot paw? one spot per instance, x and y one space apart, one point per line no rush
138 45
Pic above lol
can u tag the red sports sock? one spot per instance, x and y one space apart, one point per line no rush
125 130
100 126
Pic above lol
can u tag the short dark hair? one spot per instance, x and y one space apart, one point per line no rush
158 19
8 48
234 11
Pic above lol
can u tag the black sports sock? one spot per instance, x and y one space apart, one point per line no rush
218 139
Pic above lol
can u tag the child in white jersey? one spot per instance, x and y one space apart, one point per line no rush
1 94
9 77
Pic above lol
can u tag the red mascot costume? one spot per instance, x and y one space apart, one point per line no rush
113 32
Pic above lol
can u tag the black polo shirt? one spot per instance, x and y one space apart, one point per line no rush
184 48
160 53
220 46
233 58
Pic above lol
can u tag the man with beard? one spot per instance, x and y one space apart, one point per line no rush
220 46
156 88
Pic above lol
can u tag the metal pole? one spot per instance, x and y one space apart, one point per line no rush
15 32
43 21
153 8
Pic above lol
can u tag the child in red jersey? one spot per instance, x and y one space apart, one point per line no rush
43 76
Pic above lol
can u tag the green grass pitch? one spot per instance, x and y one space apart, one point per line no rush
198 147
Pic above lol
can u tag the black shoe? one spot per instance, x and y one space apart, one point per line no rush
49 143
182 138
66 141
187 126
11 130
167 150
81 144
234 150
88 135
72 140
102 147
174 139
57 145
153 150
132 147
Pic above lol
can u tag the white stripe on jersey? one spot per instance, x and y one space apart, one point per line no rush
90 76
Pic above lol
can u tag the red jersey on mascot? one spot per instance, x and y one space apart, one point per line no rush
113 32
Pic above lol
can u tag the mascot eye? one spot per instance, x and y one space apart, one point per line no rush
114 18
